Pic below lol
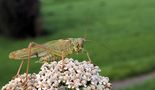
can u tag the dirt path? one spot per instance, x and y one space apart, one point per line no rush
117 85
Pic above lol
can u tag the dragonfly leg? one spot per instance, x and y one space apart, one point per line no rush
88 57
85 51
19 69
18 72
28 64
63 58
49 50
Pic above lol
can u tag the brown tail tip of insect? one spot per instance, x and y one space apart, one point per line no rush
12 55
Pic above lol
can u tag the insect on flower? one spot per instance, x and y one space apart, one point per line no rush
50 51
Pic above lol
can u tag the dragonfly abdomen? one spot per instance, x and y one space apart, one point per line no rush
48 58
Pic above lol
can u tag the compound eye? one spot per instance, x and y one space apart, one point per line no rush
78 46
81 44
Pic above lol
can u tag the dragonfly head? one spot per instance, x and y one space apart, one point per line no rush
78 44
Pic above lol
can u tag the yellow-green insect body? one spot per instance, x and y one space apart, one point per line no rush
51 50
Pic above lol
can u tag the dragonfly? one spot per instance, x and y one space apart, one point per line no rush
49 51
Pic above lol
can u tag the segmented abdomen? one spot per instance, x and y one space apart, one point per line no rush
48 58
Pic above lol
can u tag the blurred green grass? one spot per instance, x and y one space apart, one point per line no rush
148 85
121 35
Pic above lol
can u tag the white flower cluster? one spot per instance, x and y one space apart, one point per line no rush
20 84
73 75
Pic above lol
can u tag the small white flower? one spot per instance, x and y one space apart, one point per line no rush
52 76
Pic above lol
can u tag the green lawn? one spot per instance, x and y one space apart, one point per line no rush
120 33
148 85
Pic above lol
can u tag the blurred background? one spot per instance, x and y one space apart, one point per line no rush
121 35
